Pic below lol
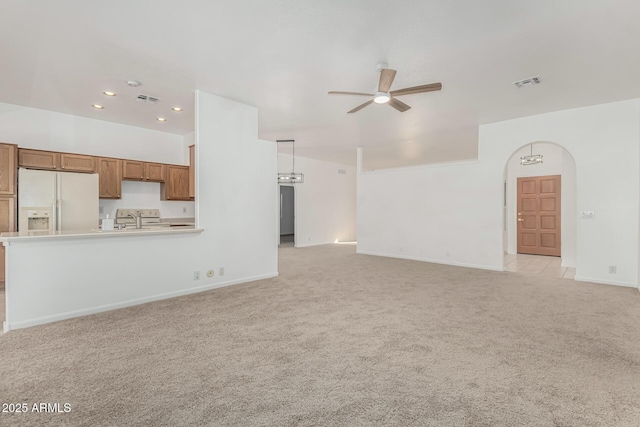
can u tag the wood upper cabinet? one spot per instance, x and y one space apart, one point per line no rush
36 159
155 172
77 163
8 154
110 172
133 170
176 186
192 172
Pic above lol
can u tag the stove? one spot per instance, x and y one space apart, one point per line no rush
150 217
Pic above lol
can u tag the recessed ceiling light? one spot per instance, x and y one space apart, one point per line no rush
161 119
178 109
109 93
97 106
133 83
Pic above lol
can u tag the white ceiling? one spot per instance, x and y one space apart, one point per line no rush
284 56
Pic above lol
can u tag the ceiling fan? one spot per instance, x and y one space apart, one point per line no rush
384 96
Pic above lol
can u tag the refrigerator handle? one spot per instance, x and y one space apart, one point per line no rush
59 215
280 205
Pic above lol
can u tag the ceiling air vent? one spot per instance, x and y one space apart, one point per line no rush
147 98
532 81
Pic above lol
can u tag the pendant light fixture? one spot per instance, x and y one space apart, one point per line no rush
532 159
292 177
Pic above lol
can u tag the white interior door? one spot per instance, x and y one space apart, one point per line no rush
78 204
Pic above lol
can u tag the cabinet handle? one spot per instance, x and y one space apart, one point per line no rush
62 167
55 167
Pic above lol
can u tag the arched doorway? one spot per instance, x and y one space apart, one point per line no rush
556 161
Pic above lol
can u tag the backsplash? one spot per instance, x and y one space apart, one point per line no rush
146 195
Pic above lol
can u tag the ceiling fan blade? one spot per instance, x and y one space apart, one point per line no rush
361 106
386 78
398 105
417 89
349 93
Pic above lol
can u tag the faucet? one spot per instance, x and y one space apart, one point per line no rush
138 219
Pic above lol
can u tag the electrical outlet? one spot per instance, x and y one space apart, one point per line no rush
221 271
196 275
184 210
101 209
613 269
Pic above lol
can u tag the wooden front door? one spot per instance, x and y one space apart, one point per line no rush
539 215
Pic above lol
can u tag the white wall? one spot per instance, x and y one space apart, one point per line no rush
81 276
325 204
436 213
556 161
452 213
48 130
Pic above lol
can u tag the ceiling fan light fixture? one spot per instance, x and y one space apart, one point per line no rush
381 98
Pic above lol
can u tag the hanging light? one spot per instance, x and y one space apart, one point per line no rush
292 177
532 159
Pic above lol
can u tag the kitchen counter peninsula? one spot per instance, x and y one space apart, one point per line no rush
95 233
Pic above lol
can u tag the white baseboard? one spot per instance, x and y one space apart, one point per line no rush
434 261
7 326
313 244
605 282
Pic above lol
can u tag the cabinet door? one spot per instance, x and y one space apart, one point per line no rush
176 186
110 172
7 214
133 170
192 172
77 163
7 223
155 172
7 169
36 159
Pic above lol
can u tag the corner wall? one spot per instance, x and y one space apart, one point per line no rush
452 213
325 204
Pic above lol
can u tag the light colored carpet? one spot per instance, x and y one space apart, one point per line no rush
341 339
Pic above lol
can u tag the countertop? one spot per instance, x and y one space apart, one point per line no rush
95 233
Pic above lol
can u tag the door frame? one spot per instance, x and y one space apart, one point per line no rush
295 211
568 172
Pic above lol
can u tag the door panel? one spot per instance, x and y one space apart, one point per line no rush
539 215
78 203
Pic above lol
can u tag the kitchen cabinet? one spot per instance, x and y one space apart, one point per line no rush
192 172
77 163
36 159
133 170
110 173
7 224
8 169
155 172
176 186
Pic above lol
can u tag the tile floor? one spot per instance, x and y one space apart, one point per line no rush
539 265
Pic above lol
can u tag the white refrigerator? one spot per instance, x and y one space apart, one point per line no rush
57 201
